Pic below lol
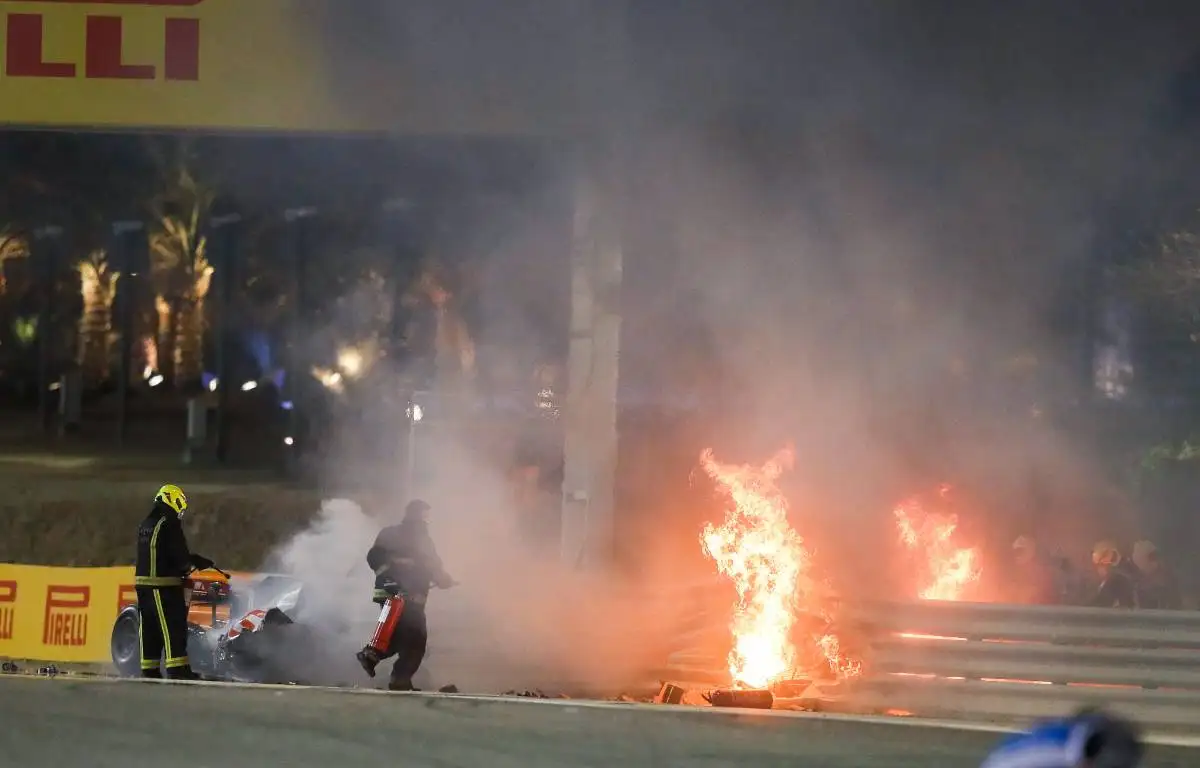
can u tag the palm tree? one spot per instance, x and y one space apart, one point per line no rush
12 247
454 347
180 267
98 287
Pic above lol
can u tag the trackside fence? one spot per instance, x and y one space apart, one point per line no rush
1004 662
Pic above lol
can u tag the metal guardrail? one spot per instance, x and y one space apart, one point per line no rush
1005 662
698 613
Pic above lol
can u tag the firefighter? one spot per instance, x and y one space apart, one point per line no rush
406 566
163 561
1157 587
1035 581
1118 581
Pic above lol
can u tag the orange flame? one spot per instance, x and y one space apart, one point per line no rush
948 568
770 566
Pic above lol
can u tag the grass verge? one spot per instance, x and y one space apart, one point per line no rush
80 517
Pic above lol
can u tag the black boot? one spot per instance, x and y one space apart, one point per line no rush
401 685
152 674
182 673
368 659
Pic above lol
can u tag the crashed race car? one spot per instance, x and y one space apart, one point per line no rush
246 635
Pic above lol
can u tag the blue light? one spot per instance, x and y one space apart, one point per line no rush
286 405
259 346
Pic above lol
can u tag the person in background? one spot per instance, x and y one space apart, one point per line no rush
526 480
1117 587
406 566
1087 739
1156 584
1035 579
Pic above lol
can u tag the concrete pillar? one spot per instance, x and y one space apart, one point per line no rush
590 412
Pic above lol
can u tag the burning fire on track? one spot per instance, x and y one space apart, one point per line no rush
947 569
771 568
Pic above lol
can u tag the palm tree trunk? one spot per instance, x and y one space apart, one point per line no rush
454 349
189 341
193 323
167 318
98 287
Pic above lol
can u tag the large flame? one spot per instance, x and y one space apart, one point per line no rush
770 566
948 569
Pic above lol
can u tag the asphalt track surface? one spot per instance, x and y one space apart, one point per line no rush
96 724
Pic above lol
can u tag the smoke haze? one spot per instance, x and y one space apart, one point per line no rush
852 226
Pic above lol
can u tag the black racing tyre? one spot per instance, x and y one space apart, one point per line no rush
125 644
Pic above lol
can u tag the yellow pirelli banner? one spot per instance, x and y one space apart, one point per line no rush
60 614
323 66
170 63
65 614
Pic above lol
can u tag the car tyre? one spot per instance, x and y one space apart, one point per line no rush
125 645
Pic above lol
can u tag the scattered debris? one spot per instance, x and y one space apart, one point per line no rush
49 671
671 693
534 694
452 688
791 689
9 668
743 699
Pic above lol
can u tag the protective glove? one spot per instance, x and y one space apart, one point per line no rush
391 586
201 563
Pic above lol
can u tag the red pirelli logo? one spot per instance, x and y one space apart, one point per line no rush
65 624
8 608
103 49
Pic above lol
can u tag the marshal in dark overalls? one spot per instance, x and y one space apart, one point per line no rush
406 566
163 560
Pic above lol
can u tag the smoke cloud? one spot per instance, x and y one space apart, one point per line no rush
851 227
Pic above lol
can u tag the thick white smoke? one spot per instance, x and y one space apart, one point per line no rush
518 619
329 557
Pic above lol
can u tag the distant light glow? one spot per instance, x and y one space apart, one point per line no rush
289 441
351 362
249 386
331 380
156 379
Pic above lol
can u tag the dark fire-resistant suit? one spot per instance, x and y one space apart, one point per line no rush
163 560
406 566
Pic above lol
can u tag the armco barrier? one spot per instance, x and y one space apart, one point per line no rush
1002 662
698 613
63 614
